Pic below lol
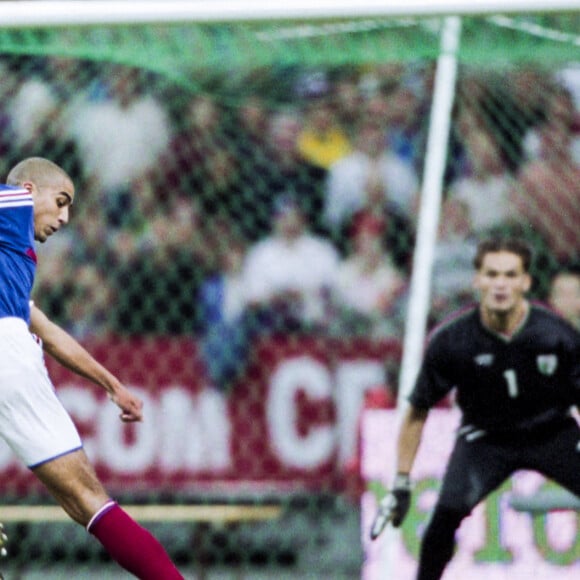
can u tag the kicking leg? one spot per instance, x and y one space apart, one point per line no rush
72 481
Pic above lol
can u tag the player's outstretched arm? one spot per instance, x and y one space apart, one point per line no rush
394 507
409 437
72 355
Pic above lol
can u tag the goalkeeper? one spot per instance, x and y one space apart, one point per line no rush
516 369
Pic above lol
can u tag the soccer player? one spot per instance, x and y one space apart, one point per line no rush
515 366
34 204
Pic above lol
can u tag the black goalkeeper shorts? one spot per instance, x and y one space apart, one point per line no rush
479 466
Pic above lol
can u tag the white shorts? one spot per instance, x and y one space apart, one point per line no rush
32 419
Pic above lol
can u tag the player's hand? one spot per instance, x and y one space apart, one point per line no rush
131 406
3 542
393 507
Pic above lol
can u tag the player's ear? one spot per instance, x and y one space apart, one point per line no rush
29 185
527 282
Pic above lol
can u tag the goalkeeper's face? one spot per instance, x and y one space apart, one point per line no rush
502 282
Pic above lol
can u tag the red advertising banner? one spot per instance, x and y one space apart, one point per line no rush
289 423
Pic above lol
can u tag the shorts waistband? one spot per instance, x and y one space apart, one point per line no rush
10 324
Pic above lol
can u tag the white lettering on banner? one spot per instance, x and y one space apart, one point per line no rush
194 432
293 375
189 432
353 378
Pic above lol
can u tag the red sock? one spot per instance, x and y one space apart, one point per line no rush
131 545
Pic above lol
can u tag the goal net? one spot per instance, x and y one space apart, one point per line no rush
241 250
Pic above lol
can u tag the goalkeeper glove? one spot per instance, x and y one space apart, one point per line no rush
394 506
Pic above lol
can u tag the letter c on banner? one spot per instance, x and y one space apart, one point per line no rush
309 375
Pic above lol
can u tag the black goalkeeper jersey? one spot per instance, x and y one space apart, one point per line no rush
503 384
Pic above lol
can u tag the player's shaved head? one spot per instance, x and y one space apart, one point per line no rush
38 170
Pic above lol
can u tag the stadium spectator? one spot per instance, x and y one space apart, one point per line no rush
33 107
158 270
485 103
546 196
485 189
36 204
529 87
226 324
8 88
184 164
348 177
283 170
369 288
250 135
220 193
406 118
515 368
564 295
322 141
120 139
560 113
289 275
88 303
347 101
40 117
399 231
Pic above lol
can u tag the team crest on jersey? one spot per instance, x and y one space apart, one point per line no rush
547 364
484 360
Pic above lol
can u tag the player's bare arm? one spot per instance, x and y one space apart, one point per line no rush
393 508
410 437
72 355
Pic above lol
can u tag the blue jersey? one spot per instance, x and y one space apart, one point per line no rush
17 255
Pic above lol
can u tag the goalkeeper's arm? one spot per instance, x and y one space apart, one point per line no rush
395 505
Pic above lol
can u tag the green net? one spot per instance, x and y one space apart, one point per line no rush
191 145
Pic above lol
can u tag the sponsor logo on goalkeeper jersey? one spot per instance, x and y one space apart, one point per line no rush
484 360
547 364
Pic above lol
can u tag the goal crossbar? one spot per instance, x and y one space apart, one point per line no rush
69 13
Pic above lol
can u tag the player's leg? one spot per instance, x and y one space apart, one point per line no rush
43 436
72 481
556 455
475 469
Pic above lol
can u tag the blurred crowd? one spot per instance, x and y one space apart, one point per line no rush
226 214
